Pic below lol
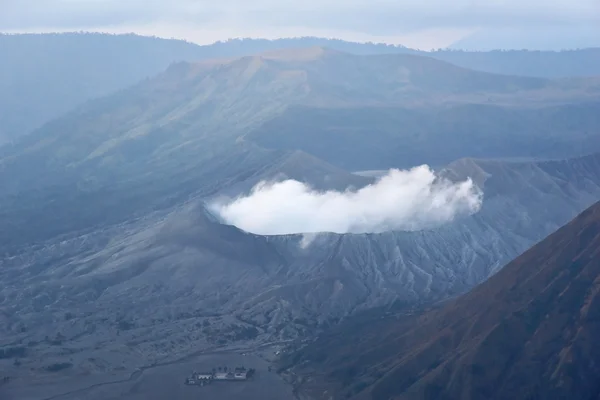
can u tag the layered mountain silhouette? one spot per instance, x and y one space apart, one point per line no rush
78 67
550 38
394 110
109 246
529 332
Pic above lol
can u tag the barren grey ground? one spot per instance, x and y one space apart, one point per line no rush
161 381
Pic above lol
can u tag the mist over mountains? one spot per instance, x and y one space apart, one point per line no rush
540 38
177 215
81 67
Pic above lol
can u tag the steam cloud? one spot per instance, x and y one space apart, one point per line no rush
402 200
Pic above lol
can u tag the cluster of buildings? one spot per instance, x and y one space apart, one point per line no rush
205 378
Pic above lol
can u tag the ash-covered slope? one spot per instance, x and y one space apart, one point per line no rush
154 279
523 203
529 332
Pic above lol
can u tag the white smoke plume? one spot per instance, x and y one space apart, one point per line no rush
401 200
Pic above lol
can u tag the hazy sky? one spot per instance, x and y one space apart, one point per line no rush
418 23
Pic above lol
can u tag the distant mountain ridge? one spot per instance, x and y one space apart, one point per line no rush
534 37
233 97
81 67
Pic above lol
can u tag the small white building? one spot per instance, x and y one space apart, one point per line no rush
240 373
204 376
221 376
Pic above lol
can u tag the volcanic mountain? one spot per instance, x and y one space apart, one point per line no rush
152 279
94 201
108 249
529 332
161 140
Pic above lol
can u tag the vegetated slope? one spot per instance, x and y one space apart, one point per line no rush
160 126
533 62
192 111
529 332
45 75
366 137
